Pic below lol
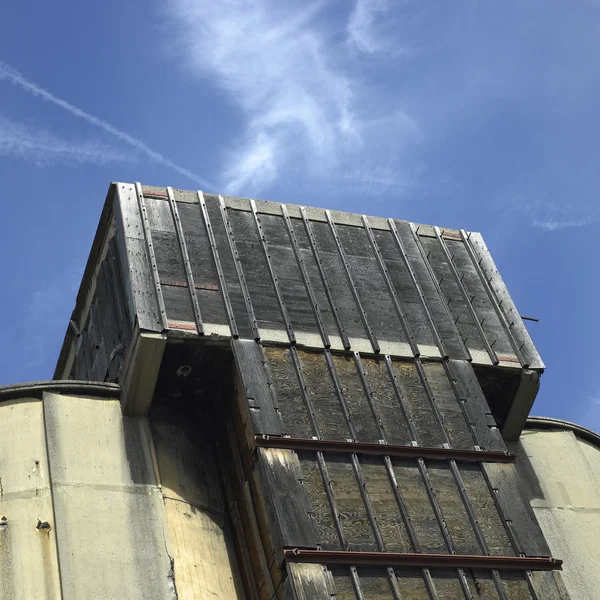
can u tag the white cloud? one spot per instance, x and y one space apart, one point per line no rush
7 73
278 62
365 24
44 148
553 224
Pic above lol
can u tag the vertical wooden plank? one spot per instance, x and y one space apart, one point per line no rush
286 498
328 412
448 405
151 255
363 314
239 269
292 408
506 309
324 278
218 265
308 582
391 414
475 405
274 279
392 290
515 509
352 509
135 263
186 261
352 395
312 297
412 586
458 298
259 393
316 479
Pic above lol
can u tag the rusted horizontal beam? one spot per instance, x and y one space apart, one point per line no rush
401 559
266 441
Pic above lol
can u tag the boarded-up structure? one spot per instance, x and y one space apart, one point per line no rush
327 396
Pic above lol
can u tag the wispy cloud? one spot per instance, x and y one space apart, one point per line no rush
44 148
366 23
545 213
286 68
7 73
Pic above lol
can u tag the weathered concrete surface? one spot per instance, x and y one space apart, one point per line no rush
28 563
561 474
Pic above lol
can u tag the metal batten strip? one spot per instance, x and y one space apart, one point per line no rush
417 286
340 394
274 279
491 294
415 451
492 354
392 290
353 288
239 270
151 255
438 289
356 583
219 267
328 291
402 559
305 278
186 261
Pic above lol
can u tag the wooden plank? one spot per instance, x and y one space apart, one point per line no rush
402 315
310 291
427 430
352 394
292 408
308 582
273 275
412 585
135 263
186 262
352 509
507 311
316 480
353 288
200 261
241 277
288 266
151 255
452 507
383 501
256 271
480 299
431 293
549 586
327 263
393 420
486 511
515 509
286 498
259 393
447 584
448 405
475 405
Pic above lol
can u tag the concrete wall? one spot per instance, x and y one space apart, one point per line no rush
82 514
561 474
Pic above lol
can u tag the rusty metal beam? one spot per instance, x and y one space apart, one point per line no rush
401 559
383 449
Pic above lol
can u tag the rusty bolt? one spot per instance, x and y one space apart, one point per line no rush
42 525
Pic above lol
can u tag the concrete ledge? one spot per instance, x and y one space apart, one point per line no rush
35 389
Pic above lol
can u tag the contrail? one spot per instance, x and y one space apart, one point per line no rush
10 74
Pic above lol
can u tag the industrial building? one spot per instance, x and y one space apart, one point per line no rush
260 401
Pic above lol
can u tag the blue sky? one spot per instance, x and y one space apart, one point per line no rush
464 114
